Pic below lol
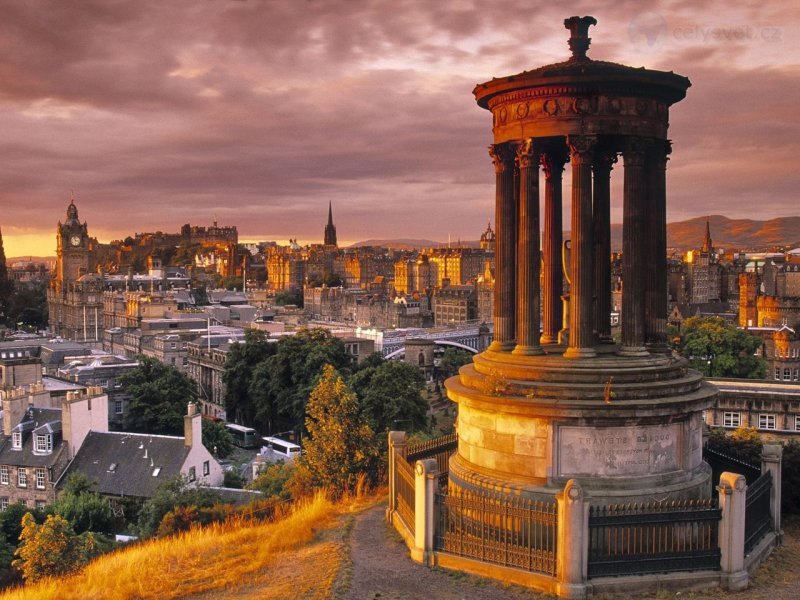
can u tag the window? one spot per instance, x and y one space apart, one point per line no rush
787 374
192 474
16 440
117 407
766 421
731 419
206 468
43 443
40 478
3 503
797 423
777 373
22 477
4 474
41 504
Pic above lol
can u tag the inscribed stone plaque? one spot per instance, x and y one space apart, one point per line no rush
600 451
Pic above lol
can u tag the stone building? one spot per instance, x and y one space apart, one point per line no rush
705 272
38 442
771 408
455 305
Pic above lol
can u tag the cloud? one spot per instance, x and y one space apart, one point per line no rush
259 112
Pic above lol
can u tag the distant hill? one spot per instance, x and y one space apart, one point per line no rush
743 234
411 244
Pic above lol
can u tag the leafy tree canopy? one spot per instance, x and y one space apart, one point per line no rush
50 549
242 360
391 396
83 509
718 348
452 360
340 444
159 396
281 384
216 438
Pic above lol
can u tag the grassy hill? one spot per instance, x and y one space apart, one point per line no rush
235 558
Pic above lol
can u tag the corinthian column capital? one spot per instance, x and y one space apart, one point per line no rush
636 150
502 157
581 148
527 156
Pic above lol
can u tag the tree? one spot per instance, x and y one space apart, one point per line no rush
340 443
50 549
216 438
281 384
159 395
452 360
718 348
83 509
390 395
273 480
288 297
242 360
167 497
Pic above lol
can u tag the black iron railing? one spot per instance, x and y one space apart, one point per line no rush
404 484
757 516
636 539
514 532
726 460
441 449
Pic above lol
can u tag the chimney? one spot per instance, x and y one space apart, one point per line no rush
192 426
14 407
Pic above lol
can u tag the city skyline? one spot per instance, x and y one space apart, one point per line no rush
259 113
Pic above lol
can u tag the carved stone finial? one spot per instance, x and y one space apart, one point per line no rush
579 39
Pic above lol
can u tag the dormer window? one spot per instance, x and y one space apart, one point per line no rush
43 443
16 440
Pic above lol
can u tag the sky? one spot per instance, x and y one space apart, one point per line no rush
258 113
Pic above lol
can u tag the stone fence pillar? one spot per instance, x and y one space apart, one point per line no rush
398 446
732 500
572 552
771 458
426 479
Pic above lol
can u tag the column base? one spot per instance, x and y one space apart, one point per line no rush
606 339
548 339
659 348
497 346
576 591
580 353
633 351
528 350
737 581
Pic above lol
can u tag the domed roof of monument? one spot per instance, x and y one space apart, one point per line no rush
581 74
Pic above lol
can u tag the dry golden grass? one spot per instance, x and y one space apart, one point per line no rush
224 561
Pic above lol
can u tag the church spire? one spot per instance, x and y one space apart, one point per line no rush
330 229
708 246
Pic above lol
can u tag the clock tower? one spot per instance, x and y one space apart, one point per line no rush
75 295
72 248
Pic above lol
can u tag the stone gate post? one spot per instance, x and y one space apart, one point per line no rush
732 500
771 458
397 447
573 541
426 479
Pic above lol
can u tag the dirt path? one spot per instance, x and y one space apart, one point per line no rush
382 570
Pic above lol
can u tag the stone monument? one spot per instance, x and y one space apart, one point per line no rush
624 419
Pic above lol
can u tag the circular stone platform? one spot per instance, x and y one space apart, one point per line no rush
628 428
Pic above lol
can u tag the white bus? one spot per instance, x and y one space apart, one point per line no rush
284 449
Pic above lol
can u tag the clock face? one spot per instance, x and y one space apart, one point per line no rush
75 240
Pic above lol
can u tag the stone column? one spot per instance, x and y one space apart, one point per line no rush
505 248
601 236
553 166
732 500
581 270
397 447
572 548
771 457
528 252
634 259
426 473
655 287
